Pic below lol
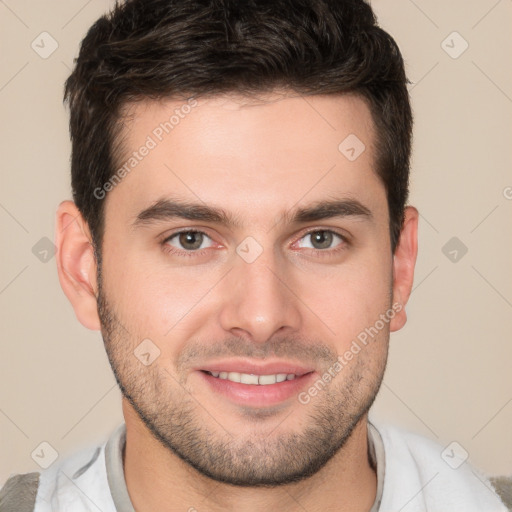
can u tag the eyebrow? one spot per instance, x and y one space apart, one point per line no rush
169 209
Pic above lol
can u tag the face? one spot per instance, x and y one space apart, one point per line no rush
244 243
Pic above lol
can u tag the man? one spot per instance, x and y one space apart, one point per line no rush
240 235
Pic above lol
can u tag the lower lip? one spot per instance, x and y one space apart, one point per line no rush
258 395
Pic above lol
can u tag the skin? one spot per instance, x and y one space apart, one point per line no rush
259 160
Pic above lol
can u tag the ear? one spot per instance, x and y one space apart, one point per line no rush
404 260
76 264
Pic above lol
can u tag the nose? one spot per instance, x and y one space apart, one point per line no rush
258 299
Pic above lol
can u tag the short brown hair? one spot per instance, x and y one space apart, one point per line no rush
181 48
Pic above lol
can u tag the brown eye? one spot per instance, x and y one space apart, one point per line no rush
322 239
189 240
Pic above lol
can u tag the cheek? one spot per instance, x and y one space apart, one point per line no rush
153 299
349 299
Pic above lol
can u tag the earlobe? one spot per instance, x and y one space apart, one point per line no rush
76 264
404 261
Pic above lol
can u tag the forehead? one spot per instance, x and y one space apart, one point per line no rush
254 154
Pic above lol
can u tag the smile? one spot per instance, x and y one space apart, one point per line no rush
250 378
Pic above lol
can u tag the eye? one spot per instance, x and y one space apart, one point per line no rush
189 240
322 239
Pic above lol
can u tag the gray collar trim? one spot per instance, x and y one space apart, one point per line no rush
377 457
115 474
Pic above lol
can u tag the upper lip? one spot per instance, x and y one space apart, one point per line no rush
246 366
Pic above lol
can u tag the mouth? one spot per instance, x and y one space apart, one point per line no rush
249 384
252 379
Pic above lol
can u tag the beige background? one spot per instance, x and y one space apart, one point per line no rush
450 367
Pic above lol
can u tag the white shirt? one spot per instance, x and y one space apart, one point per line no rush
412 476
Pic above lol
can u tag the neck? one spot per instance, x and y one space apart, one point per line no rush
157 479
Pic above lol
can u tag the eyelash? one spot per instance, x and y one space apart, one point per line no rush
201 252
187 254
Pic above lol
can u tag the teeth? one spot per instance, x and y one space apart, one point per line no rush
267 379
234 377
246 378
